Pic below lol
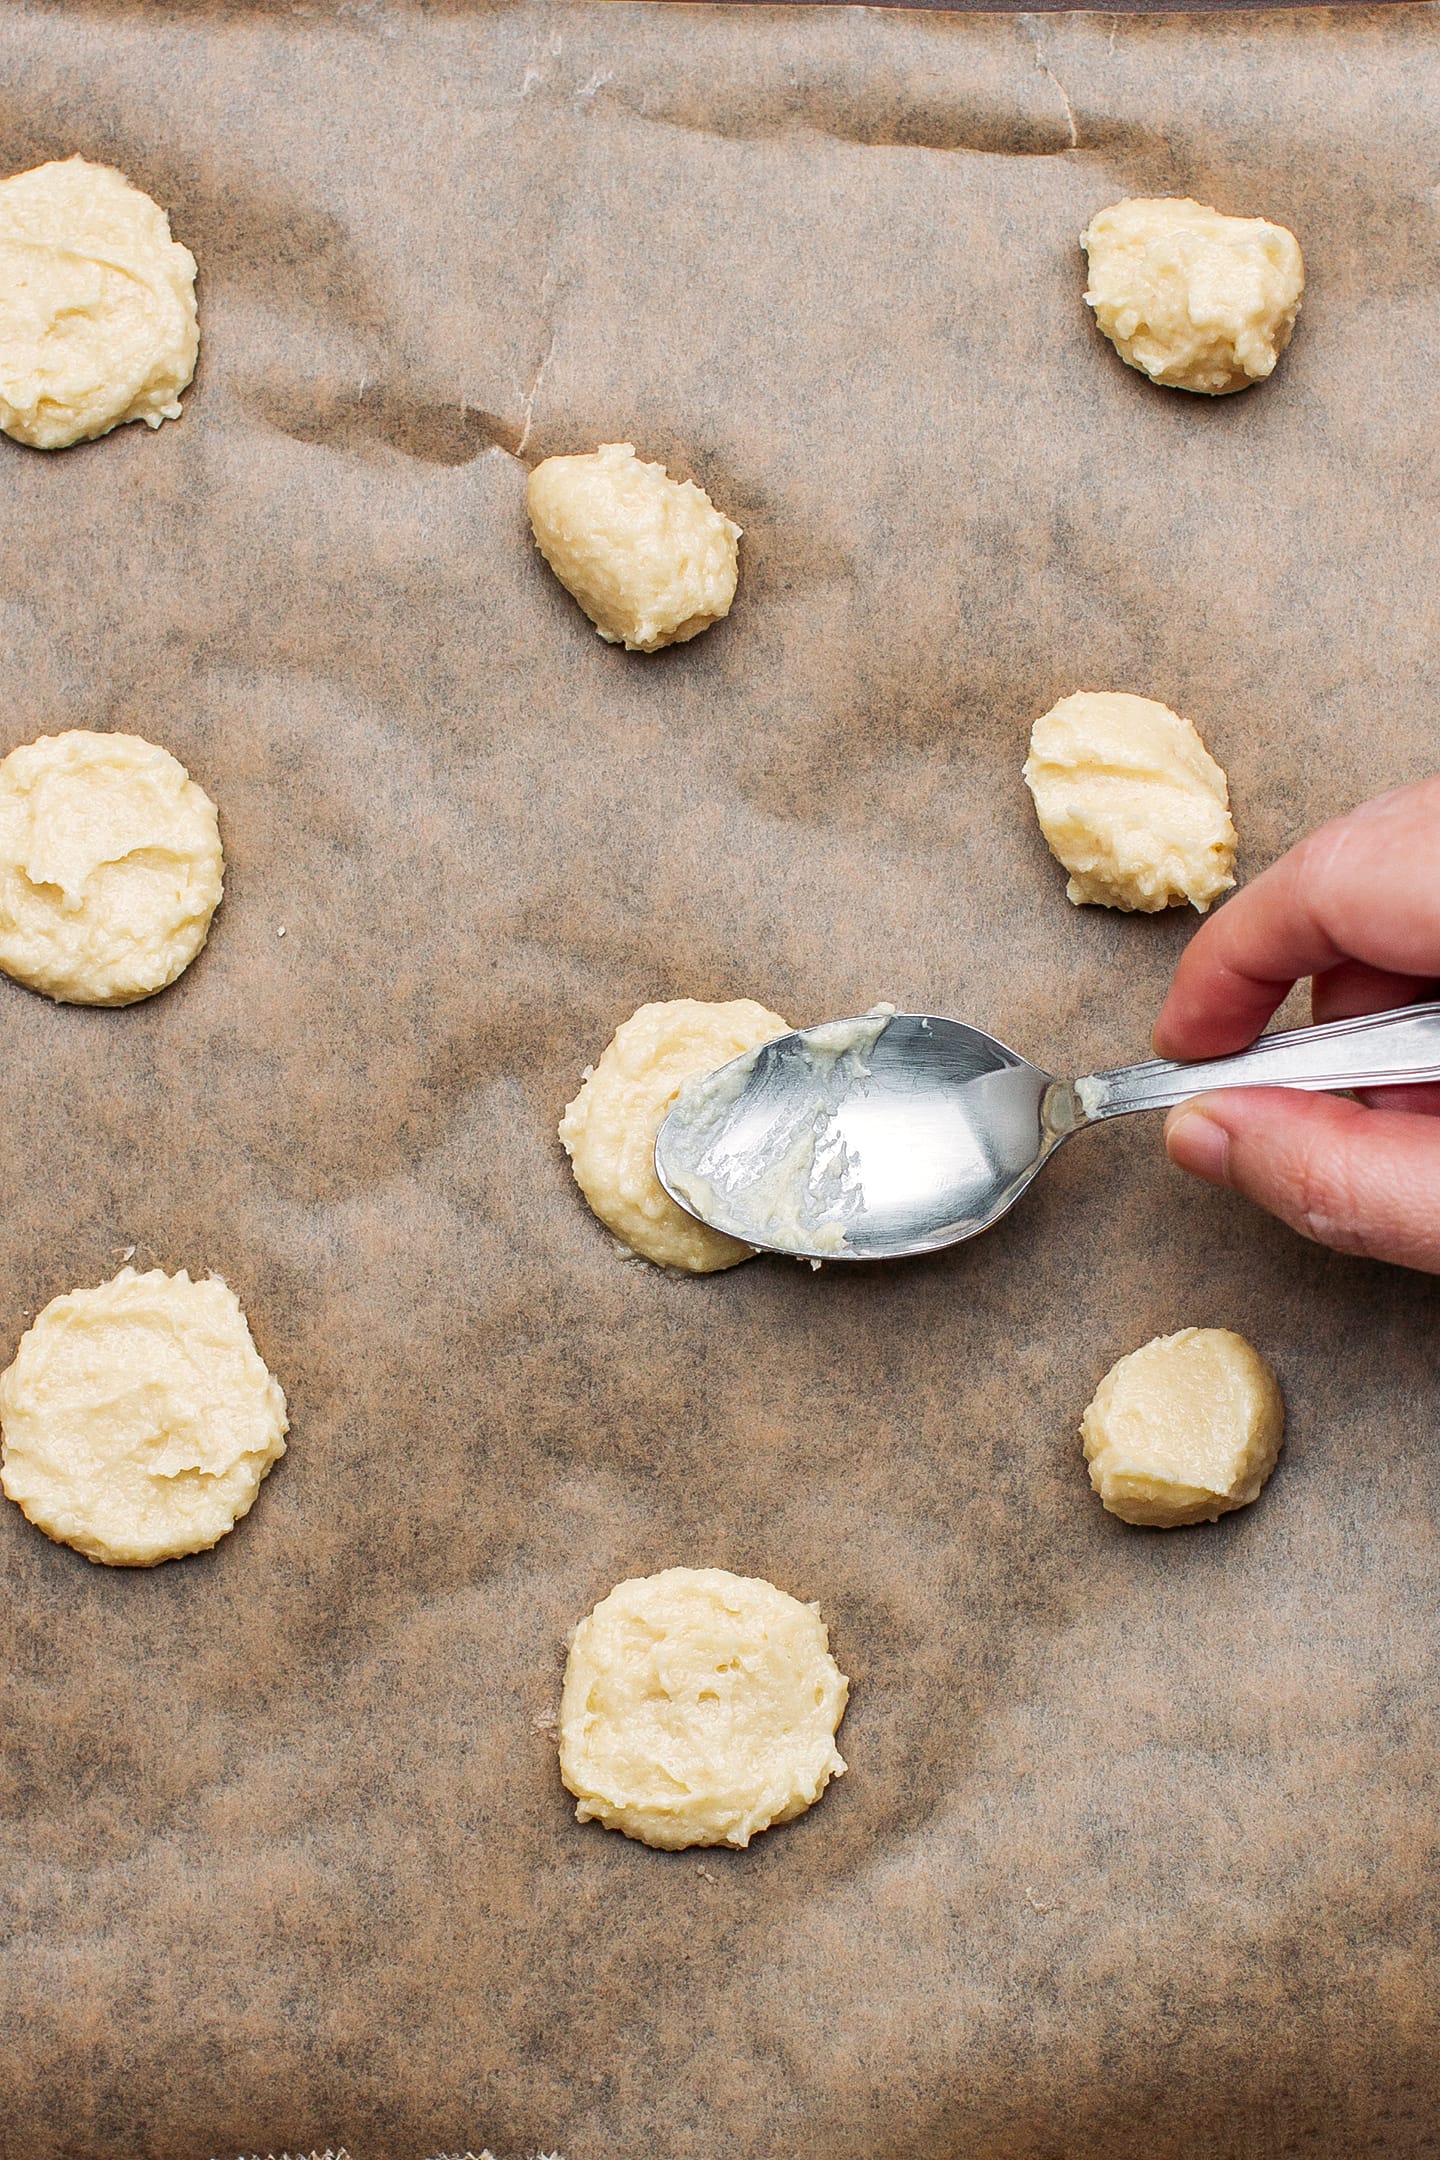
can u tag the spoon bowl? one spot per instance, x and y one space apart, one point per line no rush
898 1133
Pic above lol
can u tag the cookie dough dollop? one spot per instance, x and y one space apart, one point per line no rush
1190 297
110 867
1184 1430
609 1130
650 559
97 306
1131 802
138 1419
699 1708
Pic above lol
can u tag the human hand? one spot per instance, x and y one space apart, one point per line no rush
1356 906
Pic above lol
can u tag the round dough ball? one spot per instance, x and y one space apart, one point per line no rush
699 1707
1184 1430
97 306
650 559
610 1129
110 867
1190 297
1131 802
138 1419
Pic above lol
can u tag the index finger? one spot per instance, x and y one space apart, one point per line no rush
1360 888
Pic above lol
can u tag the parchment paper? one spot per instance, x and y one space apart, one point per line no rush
1137 1855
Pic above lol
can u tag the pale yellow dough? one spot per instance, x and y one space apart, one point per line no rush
138 1419
97 306
110 867
1184 1430
650 559
699 1707
1131 802
609 1130
1190 297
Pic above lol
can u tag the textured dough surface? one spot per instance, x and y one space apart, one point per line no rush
110 867
1190 297
97 306
1131 802
1184 1429
699 1707
610 1129
650 559
138 1418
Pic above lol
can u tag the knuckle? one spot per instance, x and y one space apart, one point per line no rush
1325 1204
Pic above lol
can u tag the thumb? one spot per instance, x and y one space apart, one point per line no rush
1364 1181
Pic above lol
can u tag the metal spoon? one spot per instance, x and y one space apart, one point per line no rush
899 1133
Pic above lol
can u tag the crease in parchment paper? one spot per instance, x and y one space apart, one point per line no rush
388 416
532 392
551 292
1033 32
780 112
928 111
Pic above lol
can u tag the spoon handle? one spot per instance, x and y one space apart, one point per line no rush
1391 1049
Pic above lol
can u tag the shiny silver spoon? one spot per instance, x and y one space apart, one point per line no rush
898 1133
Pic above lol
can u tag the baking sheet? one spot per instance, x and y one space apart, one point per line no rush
1137 1853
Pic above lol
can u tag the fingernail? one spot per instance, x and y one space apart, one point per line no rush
1194 1142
